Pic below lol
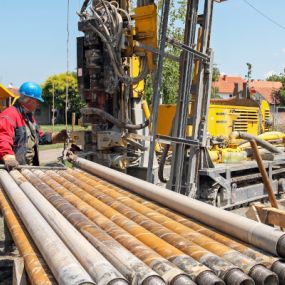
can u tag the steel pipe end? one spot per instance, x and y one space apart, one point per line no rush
153 280
262 276
237 277
281 246
279 268
208 278
182 280
118 282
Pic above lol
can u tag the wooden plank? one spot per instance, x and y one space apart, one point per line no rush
271 216
252 214
19 275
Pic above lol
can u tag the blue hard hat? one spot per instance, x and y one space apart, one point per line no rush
31 89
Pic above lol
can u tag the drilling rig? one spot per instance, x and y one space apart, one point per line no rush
119 49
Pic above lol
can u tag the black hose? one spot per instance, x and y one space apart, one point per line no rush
108 117
84 6
162 163
163 158
266 145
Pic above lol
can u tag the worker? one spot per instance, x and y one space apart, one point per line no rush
19 133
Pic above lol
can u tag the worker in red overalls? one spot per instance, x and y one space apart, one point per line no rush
20 135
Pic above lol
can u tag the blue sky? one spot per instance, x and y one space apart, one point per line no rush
242 35
33 38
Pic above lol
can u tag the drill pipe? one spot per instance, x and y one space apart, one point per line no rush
94 263
221 267
38 271
65 268
272 263
237 226
131 267
186 263
260 274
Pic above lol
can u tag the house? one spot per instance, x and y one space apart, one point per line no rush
268 90
42 113
225 86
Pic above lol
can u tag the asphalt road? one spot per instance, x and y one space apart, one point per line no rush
50 155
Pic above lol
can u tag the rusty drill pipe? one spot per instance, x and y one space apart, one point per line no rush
65 268
266 260
94 263
186 263
265 178
248 265
237 226
221 267
127 264
272 263
37 269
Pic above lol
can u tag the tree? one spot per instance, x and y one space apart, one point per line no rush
216 74
170 71
281 93
57 83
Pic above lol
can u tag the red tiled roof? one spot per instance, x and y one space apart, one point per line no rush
226 85
265 84
268 95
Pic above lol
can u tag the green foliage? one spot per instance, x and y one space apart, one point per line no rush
280 78
215 93
57 83
170 72
216 74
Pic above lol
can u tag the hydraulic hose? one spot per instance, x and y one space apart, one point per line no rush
108 117
162 163
266 145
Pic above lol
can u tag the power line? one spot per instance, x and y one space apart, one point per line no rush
264 15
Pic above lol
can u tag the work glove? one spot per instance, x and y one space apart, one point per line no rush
10 162
59 137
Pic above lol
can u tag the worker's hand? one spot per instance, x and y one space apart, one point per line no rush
10 162
59 136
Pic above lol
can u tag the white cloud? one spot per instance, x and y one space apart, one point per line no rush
283 50
269 73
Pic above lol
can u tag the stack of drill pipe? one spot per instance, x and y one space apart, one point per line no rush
36 268
65 268
131 267
94 263
116 221
260 274
186 239
272 263
197 271
166 245
234 225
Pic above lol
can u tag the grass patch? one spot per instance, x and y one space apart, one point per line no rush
57 128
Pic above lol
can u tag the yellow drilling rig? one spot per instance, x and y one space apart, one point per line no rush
191 142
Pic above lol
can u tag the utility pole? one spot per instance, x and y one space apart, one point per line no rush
248 76
53 107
